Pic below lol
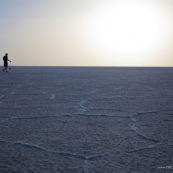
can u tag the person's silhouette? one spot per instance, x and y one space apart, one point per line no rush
5 59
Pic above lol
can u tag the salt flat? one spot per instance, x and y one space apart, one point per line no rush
86 120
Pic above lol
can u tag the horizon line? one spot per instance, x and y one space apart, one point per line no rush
90 66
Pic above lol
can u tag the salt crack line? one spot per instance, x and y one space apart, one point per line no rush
148 112
118 88
86 167
53 96
135 128
68 154
145 148
103 116
34 146
82 108
88 158
151 147
94 157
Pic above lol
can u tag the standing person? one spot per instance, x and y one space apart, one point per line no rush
5 59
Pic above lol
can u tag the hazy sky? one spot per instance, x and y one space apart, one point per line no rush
87 32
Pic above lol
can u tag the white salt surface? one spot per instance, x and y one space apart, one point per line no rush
86 120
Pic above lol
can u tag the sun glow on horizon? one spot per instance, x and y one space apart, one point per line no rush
126 30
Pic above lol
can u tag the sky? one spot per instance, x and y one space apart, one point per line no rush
87 32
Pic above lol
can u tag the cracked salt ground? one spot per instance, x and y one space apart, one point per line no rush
86 120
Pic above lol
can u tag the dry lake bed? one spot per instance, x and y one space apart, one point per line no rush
86 120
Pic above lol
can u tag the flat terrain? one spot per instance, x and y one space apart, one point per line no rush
86 120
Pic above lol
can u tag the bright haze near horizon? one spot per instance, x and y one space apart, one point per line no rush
87 32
